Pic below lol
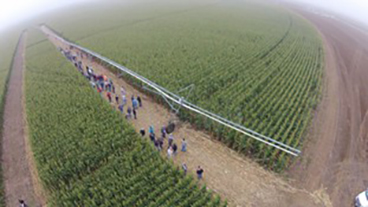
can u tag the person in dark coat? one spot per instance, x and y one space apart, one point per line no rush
163 131
175 148
129 113
121 108
157 145
161 143
139 101
143 132
152 137
171 139
117 99
22 203
200 172
135 113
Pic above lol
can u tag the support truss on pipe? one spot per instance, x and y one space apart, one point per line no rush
183 103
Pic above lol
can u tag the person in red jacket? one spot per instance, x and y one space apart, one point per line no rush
109 96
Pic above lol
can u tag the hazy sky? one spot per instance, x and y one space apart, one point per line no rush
12 11
357 9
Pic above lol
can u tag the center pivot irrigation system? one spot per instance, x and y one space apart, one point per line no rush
167 95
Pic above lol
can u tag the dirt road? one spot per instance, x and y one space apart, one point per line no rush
336 156
17 157
241 181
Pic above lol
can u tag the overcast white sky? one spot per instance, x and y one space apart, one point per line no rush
12 11
357 9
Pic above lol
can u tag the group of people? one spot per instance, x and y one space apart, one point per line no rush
102 83
172 147
136 103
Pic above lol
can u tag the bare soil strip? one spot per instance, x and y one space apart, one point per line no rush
16 155
336 156
241 181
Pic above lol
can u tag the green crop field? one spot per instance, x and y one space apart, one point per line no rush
86 153
255 64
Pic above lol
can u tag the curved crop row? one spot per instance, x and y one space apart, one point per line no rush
88 154
257 65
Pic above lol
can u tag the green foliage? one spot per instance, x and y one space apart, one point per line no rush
255 64
86 153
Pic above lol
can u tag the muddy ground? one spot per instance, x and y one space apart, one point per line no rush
335 156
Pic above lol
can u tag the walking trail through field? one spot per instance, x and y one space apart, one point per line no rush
20 174
234 177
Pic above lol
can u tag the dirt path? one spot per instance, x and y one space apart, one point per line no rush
241 181
17 158
336 156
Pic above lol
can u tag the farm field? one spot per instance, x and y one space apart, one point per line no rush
258 65
84 148
227 172
300 81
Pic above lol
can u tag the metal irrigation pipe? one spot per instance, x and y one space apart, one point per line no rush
178 100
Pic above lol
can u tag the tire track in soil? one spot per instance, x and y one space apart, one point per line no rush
240 180
338 146
19 171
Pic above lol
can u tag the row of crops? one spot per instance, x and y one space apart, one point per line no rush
86 153
258 65
8 42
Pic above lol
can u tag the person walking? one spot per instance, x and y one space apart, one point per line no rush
171 139
152 137
135 113
200 172
102 84
175 149
129 113
169 152
112 87
160 143
163 131
122 91
185 168
139 101
22 203
117 99
121 108
143 132
109 96
183 145
135 103
108 86
157 145
124 100
99 90
151 130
